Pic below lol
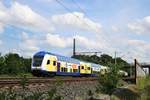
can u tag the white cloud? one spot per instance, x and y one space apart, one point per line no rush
76 20
28 44
115 29
136 42
56 40
139 49
23 16
88 43
140 26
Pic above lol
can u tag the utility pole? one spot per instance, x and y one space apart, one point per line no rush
87 52
135 70
74 47
90 52
115 58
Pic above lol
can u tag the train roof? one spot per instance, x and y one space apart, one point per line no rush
59 57
65 59
95 65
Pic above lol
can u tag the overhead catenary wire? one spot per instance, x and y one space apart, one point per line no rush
70 11
82 10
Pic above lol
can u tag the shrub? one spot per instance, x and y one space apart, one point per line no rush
143 86
110 80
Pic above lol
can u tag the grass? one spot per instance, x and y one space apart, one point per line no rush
15 76
143 85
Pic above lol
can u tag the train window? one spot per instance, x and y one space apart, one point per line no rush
71 70
54 63
75 70
88 68
48 62
82 67
62 69
37 60
65 69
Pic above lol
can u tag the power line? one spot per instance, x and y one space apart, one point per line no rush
67 9
60 3
82 10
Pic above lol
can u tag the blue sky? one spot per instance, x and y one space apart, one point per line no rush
27 26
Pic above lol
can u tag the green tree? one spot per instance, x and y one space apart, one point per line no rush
2 63
110 80
27 64
104 59
13 64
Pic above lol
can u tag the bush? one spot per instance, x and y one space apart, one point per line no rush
13 64
143 86
109 81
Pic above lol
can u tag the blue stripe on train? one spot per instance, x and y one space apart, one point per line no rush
64 73
67 74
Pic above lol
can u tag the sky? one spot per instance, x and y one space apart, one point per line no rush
107 26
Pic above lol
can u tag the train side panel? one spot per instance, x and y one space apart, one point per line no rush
85 68
50 63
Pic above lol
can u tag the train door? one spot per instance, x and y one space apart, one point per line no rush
79 68
58 66
88 68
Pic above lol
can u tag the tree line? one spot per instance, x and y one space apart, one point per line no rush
13 64
104 60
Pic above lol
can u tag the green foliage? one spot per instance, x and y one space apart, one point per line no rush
104 59
13 64
110 80
23 82
143 86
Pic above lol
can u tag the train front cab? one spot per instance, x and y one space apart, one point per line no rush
44 65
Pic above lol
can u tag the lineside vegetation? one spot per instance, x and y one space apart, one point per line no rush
13 64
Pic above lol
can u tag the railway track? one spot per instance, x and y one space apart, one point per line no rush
36 80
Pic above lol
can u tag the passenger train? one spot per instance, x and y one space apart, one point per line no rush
46 63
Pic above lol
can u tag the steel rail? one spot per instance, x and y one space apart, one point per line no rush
17 81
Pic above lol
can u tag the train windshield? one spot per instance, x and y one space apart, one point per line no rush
37 60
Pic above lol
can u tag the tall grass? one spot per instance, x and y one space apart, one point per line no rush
143 85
